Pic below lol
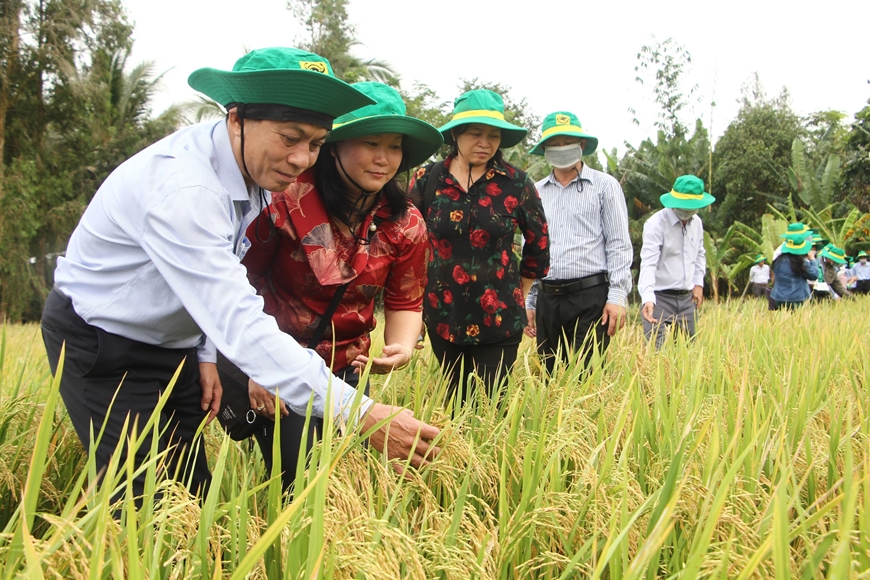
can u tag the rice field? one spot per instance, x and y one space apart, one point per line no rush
742 454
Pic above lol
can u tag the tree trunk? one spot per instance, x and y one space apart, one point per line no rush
10 24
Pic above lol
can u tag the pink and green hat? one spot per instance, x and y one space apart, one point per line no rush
567 124
687 193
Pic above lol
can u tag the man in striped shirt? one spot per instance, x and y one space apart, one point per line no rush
590 250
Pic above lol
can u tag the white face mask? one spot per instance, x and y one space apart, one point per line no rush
685 214
565 156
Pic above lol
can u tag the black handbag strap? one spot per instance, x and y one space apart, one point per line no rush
431 184
336 298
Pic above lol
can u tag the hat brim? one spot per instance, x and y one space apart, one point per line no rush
510 134
591 142
832 257
420 140
668 200
802 251
302 89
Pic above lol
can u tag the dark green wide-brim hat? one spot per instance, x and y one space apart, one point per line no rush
485 107
834 253
687 193
420 140
280 76
567 124
798 244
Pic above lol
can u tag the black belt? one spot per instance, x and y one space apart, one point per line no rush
674 292
559 287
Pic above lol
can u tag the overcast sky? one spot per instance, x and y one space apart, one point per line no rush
558 54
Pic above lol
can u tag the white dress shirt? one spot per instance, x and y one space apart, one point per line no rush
588 228
759 274
672 256
156 258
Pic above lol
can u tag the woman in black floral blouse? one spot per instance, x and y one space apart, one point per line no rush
474 304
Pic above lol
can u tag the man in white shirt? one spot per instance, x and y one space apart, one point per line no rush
759 276
153 268
673 260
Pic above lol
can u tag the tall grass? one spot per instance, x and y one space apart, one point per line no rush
742 454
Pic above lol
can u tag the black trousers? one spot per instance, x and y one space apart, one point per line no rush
96 363
571 317
291 443
862 287
492 362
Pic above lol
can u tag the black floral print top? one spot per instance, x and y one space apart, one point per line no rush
474 294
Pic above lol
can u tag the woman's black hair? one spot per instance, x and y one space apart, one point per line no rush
333 191
796 262
454 150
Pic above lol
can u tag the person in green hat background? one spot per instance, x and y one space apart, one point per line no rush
153 268
473 202
861 272
793 269
832 258
673 261
346 227
587 289
759 277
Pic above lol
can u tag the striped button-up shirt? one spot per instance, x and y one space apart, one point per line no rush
588 226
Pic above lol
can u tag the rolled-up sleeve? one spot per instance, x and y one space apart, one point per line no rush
189 237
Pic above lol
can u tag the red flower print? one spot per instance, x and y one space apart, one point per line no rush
433 299
498 319
518 296
490 302
472 330
531 262
504 258
445 250
484 201
479 238
510 203
544 227
460 275
448 297
456 215
499 273
542 243
451 192
443 331
487 321
493 189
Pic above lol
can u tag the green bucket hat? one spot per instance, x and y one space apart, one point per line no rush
796 228
280 76
797 244
486 107
759 259
687 193
834 254
564 123
420 139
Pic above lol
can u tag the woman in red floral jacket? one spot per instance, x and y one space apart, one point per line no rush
346 220
475 297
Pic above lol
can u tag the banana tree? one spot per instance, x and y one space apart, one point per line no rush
721 253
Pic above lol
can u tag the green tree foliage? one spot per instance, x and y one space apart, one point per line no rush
752 158
69 114
331 35
856 165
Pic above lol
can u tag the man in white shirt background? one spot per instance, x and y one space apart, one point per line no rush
673 260
759 277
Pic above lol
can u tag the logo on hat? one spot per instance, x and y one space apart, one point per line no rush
563 120
315 66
